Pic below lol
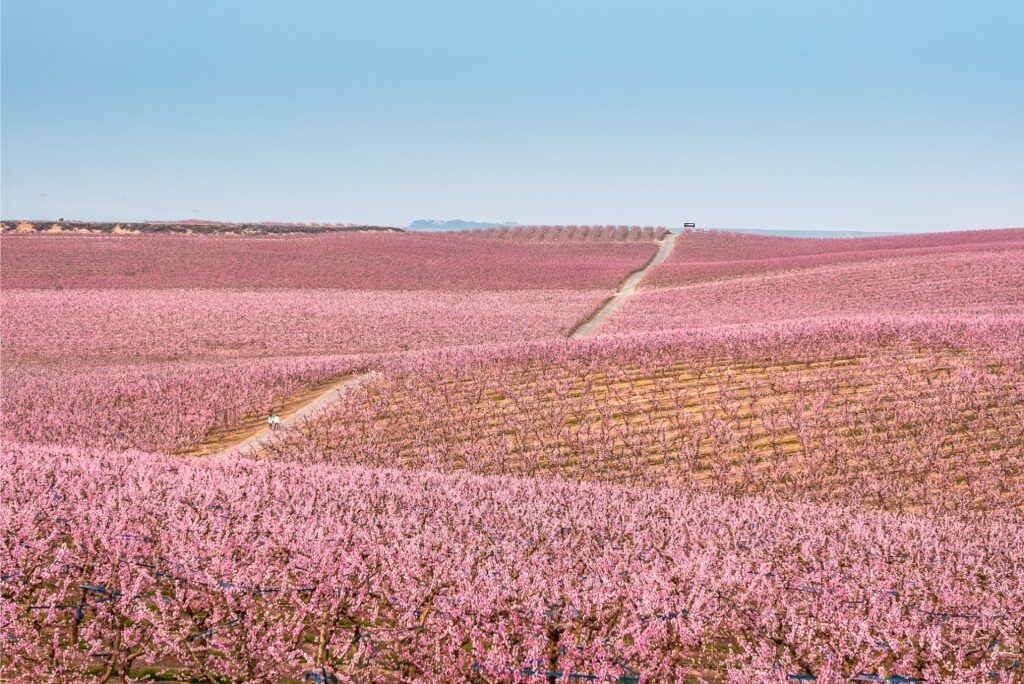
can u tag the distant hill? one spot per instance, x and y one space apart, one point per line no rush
455 224
197 226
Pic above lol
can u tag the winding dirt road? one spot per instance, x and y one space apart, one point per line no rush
319 399
626 289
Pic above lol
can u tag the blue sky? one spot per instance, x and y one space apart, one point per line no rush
890 115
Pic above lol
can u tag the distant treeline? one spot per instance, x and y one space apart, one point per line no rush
197 227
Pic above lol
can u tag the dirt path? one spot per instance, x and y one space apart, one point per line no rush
253 432
317 403
626 289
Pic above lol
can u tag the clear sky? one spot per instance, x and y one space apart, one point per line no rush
824 114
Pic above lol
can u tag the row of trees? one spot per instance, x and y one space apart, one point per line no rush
885 413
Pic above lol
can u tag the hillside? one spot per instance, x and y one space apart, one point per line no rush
781 459
187 227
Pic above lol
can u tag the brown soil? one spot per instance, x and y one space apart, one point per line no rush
648 416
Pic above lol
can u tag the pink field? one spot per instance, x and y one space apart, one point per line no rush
975 282
710 255
569 233
369 261
878 413
255 570
158 325
810 469
157 407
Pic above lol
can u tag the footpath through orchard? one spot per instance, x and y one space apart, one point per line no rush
625 291
298 410
251 436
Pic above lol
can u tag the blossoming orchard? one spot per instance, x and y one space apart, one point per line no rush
774 459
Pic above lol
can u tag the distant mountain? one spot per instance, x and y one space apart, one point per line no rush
810 233
455 224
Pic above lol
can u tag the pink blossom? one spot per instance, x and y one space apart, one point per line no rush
369 261
702 255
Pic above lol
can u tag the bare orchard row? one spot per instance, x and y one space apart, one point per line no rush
889 413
